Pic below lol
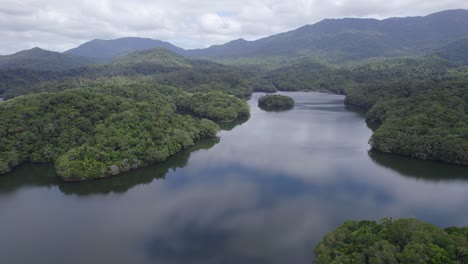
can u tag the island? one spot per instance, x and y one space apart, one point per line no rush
393 241
275 102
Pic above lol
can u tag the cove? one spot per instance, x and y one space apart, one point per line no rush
265 192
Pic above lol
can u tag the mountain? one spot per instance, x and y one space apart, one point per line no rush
456 51
39 59
111 49
352 38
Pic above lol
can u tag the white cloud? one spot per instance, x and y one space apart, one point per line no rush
59 24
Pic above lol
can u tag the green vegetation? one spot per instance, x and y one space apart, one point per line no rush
158 56
399 241
103 130
275 102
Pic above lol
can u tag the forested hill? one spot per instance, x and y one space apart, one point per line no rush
157 65
111 49
108 128
39 59
353 39
157 56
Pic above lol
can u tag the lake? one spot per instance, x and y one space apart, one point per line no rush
265 192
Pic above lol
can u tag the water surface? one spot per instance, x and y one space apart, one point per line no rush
266 192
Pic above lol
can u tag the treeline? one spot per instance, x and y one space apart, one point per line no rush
101 130
387 241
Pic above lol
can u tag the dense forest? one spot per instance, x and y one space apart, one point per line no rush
106 129
387 241
275 102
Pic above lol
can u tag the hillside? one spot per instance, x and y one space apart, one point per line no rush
111 49
157 56
352 39
39 59
157 65
456 51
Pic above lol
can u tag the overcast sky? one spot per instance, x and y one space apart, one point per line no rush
62 24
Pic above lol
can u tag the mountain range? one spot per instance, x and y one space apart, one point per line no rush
352 38
333 40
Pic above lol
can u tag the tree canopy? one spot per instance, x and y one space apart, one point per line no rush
104 130
388 241
275 102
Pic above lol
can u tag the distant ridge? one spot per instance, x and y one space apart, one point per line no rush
352 38
333 40
39 59
111 49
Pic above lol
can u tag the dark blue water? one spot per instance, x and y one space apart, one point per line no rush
266 192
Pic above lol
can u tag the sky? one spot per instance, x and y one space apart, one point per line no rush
59 25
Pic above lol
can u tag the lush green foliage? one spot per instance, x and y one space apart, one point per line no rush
399 241
100 131
215 106
275 102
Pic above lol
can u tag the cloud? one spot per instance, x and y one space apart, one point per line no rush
60 25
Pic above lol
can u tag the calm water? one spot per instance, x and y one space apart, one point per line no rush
266 192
